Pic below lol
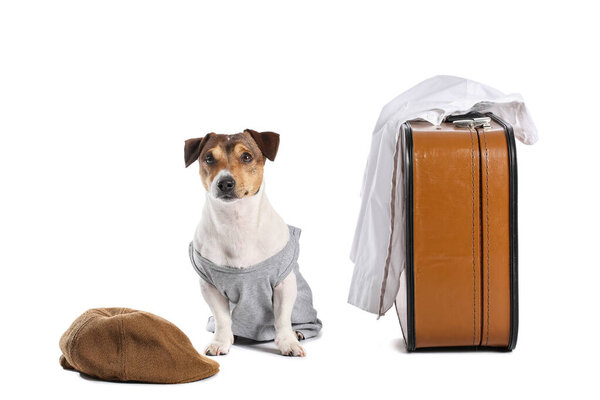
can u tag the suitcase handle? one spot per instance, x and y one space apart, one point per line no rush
483 122
470 120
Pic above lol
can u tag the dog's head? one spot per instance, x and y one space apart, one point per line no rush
231 166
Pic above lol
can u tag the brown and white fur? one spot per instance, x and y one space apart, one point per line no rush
239 227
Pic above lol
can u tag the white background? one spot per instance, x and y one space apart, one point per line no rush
97 209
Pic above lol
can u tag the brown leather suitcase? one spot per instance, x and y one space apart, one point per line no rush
459 285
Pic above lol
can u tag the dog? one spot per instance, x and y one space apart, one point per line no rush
244 252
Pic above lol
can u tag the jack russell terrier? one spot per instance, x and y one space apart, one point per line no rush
245 254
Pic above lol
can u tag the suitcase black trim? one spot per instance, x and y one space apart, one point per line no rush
513 230
408 201
410 338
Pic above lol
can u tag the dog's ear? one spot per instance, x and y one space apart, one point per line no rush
268 142
192 149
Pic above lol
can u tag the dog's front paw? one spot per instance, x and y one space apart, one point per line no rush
289 345
219 346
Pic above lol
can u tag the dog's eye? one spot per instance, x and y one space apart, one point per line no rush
246 157
209 159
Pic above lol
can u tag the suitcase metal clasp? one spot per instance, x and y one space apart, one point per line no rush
482 122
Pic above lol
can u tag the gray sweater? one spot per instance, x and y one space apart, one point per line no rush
250 292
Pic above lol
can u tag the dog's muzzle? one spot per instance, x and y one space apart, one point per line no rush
225 188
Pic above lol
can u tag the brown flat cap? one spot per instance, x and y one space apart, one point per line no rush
121 344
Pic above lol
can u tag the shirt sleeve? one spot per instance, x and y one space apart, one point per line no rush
284 272
198 266
289 263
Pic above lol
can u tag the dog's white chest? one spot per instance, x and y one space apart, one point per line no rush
241 233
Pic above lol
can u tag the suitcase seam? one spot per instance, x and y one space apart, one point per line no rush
473 228
487 227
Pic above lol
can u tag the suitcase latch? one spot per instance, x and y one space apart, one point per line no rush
482 122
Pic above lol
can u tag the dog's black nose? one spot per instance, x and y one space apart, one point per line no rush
226 185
